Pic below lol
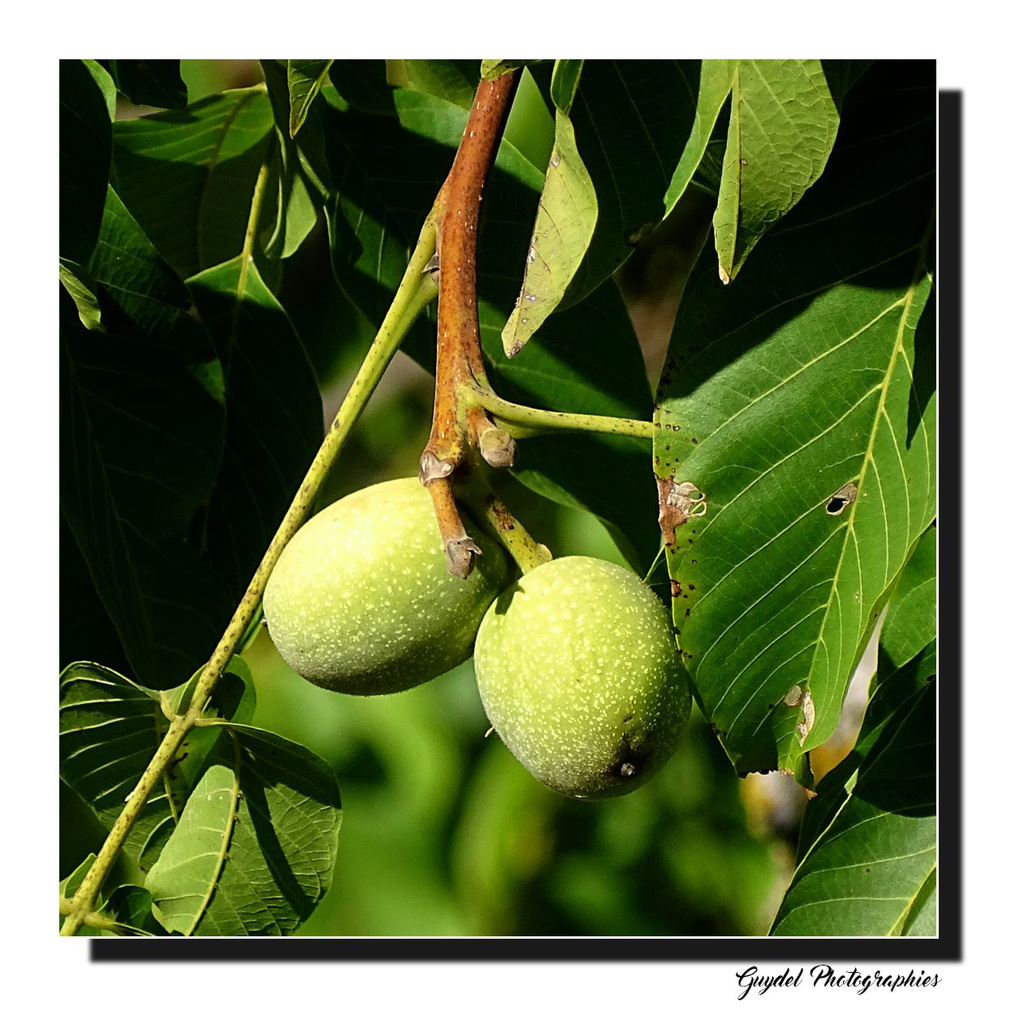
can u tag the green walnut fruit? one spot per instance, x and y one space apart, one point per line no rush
361 600
579 674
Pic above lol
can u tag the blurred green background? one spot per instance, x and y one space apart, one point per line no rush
444 833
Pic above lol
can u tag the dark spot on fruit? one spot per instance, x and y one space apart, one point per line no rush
628 761
628 718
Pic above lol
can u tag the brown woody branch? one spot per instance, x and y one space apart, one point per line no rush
457 431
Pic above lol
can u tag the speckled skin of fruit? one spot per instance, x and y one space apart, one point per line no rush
579 674
361 600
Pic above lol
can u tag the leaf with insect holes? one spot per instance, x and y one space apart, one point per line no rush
800 402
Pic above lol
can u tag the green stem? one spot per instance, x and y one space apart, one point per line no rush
524 550
414 292
524 421
250 231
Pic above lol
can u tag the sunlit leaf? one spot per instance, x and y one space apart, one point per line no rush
894 690
566 216
305 77
716 81
295 189
254 850
613 159
794 402
451 80
102 78
79 284
782 125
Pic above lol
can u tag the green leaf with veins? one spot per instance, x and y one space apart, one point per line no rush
782 125
716 81
110 728
254 851
305 78
452 80
566 216
800 402
79 284
870 867
296 168
866 854
142 459
910 621
604 190
187 176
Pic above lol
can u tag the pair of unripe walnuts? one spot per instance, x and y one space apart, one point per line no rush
575 660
